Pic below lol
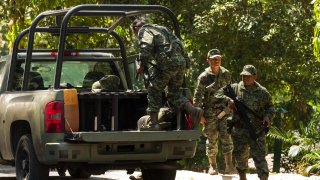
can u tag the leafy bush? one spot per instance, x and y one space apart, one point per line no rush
301 147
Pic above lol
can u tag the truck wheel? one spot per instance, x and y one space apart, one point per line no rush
159 174
27 165
79 172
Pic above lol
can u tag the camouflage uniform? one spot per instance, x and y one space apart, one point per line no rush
259 100
158 44
107 83
204 97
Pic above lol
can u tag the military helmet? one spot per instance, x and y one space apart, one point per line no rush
107 83
249 70
213 53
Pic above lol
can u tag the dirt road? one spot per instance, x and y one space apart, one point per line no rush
7 172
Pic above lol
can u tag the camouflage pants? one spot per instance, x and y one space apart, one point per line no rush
213 129
172 78
243 144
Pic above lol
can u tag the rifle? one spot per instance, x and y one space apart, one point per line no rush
145 75
211 86
241 110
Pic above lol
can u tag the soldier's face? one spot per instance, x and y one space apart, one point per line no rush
248 81
215 62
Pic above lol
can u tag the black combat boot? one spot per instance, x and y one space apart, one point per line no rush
242 174
229 169
264 177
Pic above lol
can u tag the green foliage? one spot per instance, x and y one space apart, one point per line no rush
302 146
313 162
274 36
316 38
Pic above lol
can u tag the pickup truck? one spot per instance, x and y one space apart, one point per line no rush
51 119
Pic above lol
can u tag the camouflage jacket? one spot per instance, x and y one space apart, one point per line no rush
204 95
159 44
257 99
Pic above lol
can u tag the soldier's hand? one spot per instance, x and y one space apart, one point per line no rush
266 121
140 70
232 105
203 120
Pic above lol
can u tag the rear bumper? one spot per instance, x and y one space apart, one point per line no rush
114 151
107 153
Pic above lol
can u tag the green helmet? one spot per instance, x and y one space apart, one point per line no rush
107 83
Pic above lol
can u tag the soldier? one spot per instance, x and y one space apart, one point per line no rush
256 98
170 62
212 79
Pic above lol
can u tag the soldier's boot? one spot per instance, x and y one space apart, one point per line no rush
195 112
230 169
154 124
242 174
264 177
213 170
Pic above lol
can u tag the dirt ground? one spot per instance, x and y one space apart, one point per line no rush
7 172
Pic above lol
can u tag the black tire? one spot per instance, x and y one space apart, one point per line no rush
79 172
158 174
27 165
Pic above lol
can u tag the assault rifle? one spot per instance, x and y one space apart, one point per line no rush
242 110
145 75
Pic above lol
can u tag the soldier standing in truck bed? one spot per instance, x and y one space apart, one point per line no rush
159 44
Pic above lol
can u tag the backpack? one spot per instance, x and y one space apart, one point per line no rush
176 45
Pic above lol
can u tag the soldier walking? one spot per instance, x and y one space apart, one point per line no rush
248 133
212 79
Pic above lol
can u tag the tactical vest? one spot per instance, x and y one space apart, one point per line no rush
173 52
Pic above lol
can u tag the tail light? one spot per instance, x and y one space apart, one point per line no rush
54 117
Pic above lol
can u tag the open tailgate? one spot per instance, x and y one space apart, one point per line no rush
134 136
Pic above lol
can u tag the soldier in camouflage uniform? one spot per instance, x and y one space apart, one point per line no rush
212 79
157 43
258 99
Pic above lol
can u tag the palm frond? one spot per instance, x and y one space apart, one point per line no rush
277 133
